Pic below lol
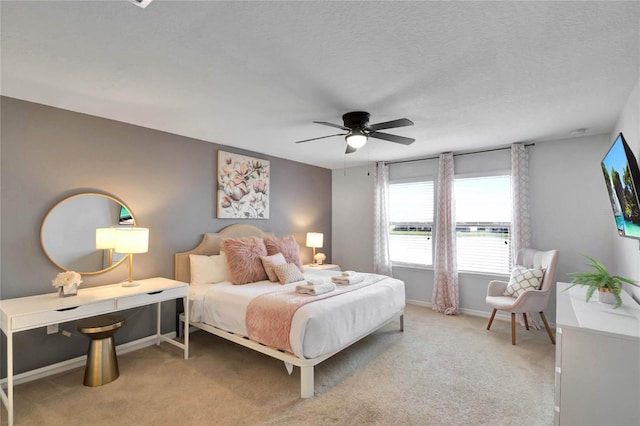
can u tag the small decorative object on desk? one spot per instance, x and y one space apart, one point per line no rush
67 283
320 257
608 286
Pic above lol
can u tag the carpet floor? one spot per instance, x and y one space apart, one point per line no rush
443 370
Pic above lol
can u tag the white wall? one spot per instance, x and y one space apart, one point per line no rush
627 251
570 211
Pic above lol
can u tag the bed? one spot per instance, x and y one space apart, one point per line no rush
317 330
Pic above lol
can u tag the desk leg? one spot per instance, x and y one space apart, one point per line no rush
10 377
186 326
159 323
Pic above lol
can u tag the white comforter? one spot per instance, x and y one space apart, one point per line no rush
317 328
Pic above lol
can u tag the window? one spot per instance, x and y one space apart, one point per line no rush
483 224
411 222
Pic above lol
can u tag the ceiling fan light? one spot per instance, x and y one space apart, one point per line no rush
356 139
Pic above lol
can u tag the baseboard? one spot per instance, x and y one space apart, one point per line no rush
419 303
500 315
70 364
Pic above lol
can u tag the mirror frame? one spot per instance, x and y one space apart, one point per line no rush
44 221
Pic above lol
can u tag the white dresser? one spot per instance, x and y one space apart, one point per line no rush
597 360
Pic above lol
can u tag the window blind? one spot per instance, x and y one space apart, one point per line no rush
411 222
483 224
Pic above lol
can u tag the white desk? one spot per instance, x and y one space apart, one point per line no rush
26 313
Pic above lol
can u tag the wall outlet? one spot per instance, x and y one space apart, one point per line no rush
52 329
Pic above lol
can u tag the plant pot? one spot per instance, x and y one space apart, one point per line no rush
605 296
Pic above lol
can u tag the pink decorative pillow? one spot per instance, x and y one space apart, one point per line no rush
287 246
269 261
243 259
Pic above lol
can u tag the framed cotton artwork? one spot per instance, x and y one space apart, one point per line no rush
243 187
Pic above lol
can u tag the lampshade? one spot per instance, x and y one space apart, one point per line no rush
132 240
315 239
356 139
105 238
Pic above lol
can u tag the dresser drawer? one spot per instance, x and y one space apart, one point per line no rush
35 319
152 297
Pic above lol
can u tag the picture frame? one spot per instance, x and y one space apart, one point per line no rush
243 187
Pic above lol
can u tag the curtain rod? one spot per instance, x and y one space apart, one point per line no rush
455 155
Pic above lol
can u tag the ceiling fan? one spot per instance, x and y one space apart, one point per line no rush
358 129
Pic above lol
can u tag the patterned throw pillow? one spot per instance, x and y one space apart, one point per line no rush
523 279
287 246
269 261
243 259
288 273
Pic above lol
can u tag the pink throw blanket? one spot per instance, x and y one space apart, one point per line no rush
269 315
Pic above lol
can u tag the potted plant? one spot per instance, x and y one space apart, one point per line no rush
608 286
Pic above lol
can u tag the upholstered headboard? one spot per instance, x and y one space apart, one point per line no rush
210 245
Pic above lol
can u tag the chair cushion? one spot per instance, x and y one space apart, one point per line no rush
523 279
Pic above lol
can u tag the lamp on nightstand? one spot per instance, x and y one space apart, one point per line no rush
106 240
315 240
130 241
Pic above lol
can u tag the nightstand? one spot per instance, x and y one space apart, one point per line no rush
324 267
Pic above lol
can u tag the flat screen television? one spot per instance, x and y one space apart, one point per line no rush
125 218
622 178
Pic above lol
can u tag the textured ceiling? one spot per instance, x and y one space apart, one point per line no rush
256 74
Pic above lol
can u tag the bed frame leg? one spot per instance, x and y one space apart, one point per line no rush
402 322
306 382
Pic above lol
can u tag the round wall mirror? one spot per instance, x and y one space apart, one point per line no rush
68 232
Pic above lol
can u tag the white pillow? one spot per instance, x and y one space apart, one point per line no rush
208 269
523 279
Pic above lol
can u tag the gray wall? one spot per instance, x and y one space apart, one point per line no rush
569 211
168 181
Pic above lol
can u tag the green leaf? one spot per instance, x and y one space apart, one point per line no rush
590 291
618 300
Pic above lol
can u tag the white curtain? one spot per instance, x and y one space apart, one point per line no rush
381 259
520 218
445 286
521 230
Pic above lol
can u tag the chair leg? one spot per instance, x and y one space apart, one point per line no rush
493 314
546 325
526 323
513 328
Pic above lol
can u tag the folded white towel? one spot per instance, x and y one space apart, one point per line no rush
349 273
317 281
342 280
315 289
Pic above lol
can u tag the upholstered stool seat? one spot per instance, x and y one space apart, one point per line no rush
102 363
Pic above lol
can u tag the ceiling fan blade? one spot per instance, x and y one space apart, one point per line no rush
392 138
401 122
350 149
332 125
321 137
